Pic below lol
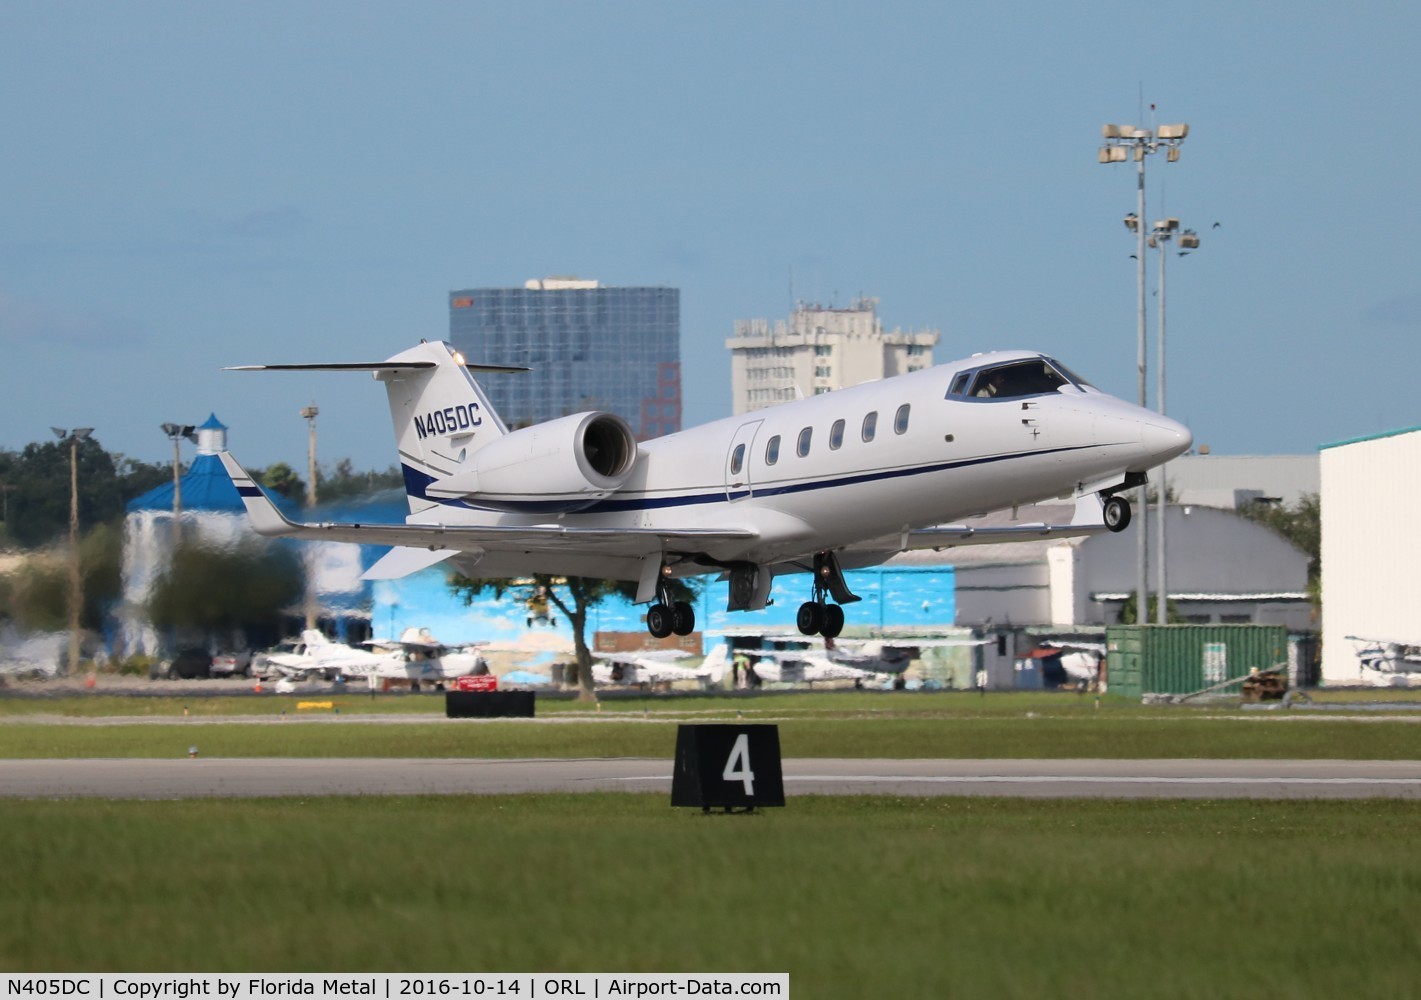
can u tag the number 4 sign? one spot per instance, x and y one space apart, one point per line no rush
729 767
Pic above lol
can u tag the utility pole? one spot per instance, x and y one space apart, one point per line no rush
76 580
312 609
310 413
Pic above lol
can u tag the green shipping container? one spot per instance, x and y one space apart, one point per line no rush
1182 659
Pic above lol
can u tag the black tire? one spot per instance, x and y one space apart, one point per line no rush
683 618
659 621
1116 513
833 622
809 619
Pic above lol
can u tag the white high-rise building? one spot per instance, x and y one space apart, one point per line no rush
819 350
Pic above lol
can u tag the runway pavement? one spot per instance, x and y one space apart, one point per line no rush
263 777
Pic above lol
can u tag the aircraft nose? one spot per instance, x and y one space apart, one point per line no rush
1164 438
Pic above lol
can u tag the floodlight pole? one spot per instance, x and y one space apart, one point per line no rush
175 433
1164 233
1121 142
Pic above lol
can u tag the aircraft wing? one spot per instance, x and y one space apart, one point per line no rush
1086 520
443 540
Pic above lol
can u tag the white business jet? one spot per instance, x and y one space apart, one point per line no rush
843 479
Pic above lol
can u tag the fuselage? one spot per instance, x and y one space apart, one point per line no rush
875 460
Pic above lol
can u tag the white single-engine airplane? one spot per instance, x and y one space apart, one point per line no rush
847 478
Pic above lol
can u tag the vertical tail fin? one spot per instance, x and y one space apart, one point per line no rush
440 413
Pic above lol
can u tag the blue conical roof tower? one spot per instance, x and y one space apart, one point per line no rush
206 486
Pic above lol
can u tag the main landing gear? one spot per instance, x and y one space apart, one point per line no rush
667 616
818 616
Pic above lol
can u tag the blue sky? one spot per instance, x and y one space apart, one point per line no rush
187 186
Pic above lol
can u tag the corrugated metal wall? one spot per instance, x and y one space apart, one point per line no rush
1181 659
1371 548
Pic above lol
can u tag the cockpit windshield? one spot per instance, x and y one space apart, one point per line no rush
1027 377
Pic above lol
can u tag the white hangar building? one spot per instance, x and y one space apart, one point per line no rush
1371 548
1222 569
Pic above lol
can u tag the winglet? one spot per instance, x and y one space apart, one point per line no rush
266 519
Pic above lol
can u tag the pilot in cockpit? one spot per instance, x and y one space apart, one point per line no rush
993 385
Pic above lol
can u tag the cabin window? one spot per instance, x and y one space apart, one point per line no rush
805 435
870 426
836 435
772 450
900 419
737 460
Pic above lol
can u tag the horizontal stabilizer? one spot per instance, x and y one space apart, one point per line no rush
369 366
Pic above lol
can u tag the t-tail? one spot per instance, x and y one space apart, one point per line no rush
441 416
440 413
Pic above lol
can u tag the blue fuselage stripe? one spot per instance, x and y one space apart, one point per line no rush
417 483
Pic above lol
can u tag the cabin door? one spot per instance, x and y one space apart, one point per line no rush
737 462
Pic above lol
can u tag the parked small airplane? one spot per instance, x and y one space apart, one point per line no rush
1384 656
843 479
648 667
807 666
425 658
415 657
312 656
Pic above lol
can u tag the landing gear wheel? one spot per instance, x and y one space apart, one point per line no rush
1117 513
833 621
683 618
810 619
659 621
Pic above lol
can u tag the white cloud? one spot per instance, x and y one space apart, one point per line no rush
24 322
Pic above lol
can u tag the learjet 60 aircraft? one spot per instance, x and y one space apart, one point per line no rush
839 480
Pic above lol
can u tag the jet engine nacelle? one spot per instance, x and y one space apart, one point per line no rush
559 466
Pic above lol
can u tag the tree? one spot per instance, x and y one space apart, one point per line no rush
35 597
283 479
1128 616
574 596
214 589
344 481
1301 524
37 500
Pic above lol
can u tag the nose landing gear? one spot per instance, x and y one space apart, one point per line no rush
1116 513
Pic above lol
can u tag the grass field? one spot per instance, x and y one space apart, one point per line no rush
847 724
853 897
158 702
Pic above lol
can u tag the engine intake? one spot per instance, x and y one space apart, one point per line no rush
556 467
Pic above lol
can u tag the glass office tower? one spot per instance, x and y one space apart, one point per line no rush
591 347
